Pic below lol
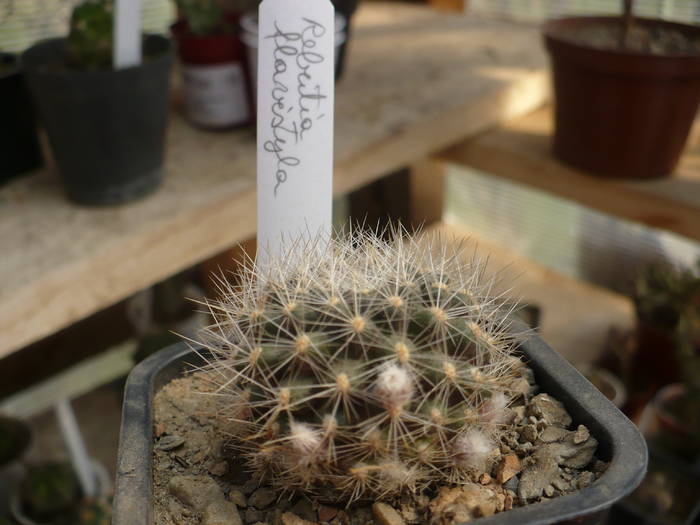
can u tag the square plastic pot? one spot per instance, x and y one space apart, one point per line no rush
620 442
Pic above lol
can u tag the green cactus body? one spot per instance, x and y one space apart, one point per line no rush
49 491
89 43
365 369
204 17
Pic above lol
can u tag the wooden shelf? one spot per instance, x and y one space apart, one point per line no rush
417 81
519 150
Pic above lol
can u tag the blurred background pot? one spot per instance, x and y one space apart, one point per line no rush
216 89
249 36
621 113
19 147
347 8
50 494
106 127
670 423
15 438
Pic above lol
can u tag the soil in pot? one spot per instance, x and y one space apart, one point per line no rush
623 112
539 458
19 147
106 127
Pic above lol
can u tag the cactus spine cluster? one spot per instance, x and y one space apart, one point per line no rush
365 368
89 43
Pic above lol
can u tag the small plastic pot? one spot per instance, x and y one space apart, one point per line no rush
346 8
106 127
664 428
214 74
620 442
104 489
621 114
19 147
669 495
249 36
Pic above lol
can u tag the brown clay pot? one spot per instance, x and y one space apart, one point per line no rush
620 114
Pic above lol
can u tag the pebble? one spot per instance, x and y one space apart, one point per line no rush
528 433
585 479
219 468
248 487
326 513
221 513
237 497
195 491
304 509
387 515
549 491
582 434
158 429
512 484
261 498
253 515
464 503
544 406
170 442
507 468
485 479
539 470
292 519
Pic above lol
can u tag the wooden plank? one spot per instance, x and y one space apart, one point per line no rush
74 382
520 151
449 5
427 183
575 316
417 81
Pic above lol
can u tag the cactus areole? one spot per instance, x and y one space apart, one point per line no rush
362 368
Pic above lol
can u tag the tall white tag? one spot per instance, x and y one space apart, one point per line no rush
127 33
295 121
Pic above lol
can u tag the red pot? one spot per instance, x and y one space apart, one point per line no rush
620 113
215 83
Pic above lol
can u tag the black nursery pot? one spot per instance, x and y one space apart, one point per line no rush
347 8
620 442
106 127
19 148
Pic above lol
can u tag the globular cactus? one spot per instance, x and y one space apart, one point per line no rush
365 368
89 43
204 17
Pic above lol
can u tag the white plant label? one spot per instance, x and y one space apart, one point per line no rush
295 121
127 34
216 95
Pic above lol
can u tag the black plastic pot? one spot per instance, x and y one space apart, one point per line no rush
19 147
620 442
106 127
347 8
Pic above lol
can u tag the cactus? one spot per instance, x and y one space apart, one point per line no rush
204 17
365 368
89 43
51 492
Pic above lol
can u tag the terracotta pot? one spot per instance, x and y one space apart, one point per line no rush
621 114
